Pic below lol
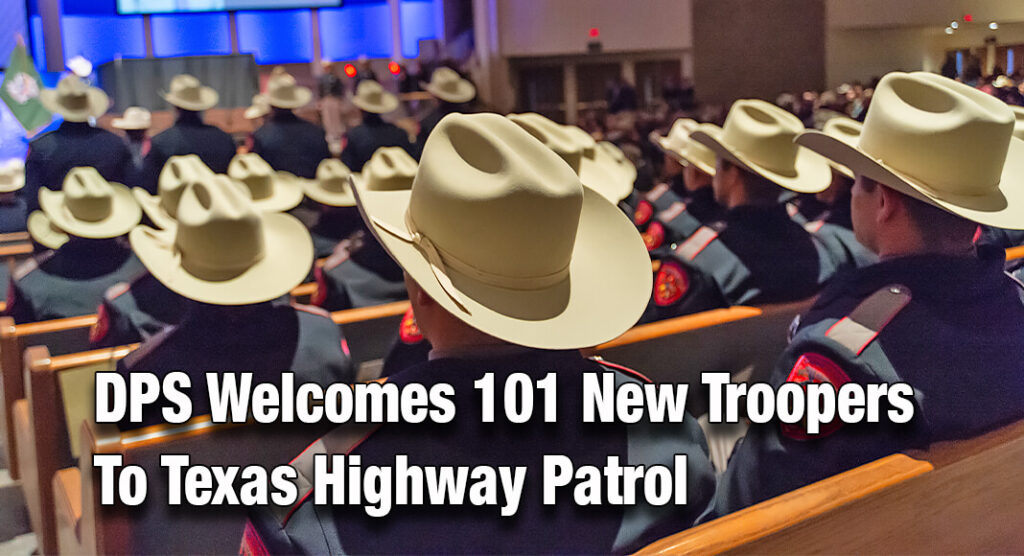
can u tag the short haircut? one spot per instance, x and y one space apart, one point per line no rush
931 220
758 187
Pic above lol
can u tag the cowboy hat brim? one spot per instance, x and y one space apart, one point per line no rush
121 123
601 174
152 208
124 215
253 112
330 198
388 103
44 232
465 92
208 98
96 105
287 259
811 173
1001 208
595 303
685 156
286 194
15 185
303 96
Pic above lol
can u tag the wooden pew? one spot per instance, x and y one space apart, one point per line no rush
86 527
1014 253
958 497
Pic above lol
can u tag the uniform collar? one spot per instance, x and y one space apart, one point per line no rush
189 118
480 352
758 215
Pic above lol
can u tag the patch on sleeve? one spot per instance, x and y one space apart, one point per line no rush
408 330
671 284
814 368
643 213
654 236
252 544
320 295
99 330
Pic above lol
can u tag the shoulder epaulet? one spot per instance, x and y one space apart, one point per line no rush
814 227
657 192
672 212
318 311
340 254
30 265
697 242
792 209
621 368
340 440
858 329
117 290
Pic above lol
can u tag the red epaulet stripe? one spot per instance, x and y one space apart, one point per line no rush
627 370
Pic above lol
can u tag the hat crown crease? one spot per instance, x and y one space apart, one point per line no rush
219 234
88 196
764 135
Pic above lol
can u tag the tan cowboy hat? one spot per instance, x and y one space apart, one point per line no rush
134 117
579 150
331 186
680 146
74 100
447 85
188 93
389 169
270 191
846 130
758 136
258 109
86 206
284 92
178 172
939 141
223 250
12 175
619 161
371 97
1018 125
501 233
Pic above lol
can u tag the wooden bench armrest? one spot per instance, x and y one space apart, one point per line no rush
771 516
304 290
12 237
15 249
369 313
1014 253
55 325
645 332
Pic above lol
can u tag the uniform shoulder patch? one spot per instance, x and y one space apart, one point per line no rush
814 368
643 213
858 329
408 331
320 295
670 284
101 327
654 235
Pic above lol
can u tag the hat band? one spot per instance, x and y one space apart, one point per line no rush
439 259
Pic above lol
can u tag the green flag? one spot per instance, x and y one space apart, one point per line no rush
20 90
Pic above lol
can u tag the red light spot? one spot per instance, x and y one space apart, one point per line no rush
350 70
595 32
968 18
394 68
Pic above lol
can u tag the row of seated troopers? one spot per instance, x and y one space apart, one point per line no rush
484 235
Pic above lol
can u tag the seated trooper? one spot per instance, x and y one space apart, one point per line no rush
1002 237
490 301
336 214
672 188
756 253
234 264
135 310
81 224
935 159
834 227
360 273
13 211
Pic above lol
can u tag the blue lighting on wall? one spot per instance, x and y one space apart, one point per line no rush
190 34
102 38
354 30
279 37
418 23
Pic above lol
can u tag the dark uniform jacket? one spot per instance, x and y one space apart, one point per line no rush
1000 237
290 144
188 135
331 226
834 229
69 281
758 255
409 349
266 339
53 154
951 327
431 120
364 140
681 219
565 527
135 311
13 215
359 274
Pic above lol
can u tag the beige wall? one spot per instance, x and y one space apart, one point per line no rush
560 27
919 13
757 48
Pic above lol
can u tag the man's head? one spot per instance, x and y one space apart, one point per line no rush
695 178
441 328
893 224
734 186
839 189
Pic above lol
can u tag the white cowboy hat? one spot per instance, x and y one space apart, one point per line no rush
331 186
618 161
80 66
389 169
12 175
44 232
178 172
284 92
758 136
941 142
447 85
604 167
224 251
680 146
371 97
846 130
188 93
500 232
134 117
579 150
74 100
1018 125
86 206
270 191
258 109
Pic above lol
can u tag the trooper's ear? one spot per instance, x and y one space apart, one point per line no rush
417 295
891 204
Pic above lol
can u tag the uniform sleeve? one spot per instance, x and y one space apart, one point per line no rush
151 167
680 289
18 305
350 155
35 172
